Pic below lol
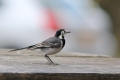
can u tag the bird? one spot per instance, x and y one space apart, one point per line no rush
50 46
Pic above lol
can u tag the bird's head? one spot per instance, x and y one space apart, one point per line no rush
60 33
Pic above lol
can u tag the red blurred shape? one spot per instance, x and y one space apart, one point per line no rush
52 21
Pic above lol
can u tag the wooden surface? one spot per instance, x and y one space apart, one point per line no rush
30 65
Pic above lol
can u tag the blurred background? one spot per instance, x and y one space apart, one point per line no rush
95 24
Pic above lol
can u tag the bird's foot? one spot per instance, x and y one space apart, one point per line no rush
52 63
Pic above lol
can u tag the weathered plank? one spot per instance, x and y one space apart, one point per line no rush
33 66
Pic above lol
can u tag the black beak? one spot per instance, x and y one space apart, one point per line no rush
67 32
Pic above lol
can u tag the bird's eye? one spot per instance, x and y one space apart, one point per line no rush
63 32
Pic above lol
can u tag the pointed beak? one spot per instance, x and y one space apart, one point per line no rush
67 32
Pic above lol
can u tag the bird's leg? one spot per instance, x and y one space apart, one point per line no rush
48 58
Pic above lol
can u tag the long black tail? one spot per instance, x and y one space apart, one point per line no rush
29 47
17 49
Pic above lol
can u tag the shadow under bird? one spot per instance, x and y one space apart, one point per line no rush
50 46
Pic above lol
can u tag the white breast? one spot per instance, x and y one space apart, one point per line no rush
51 51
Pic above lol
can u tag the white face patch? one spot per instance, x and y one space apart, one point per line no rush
62 34
60 37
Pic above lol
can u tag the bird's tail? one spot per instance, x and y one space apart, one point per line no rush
16 49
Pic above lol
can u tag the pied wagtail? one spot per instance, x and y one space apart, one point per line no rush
50 46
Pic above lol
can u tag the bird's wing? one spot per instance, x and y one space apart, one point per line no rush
52 42
36 46
49 43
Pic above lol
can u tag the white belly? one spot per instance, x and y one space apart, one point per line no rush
50 51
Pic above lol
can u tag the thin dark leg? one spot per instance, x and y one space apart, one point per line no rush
48 58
